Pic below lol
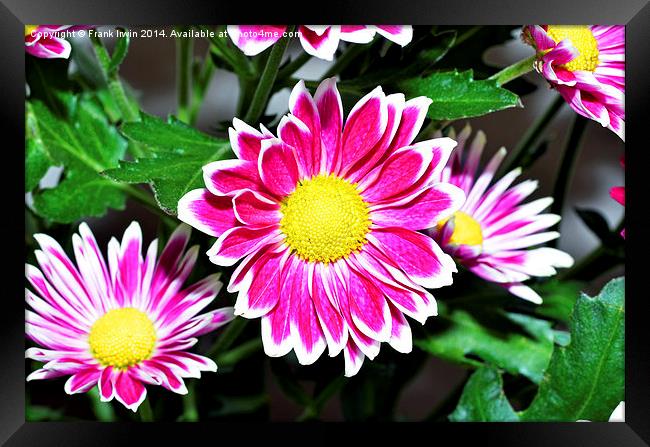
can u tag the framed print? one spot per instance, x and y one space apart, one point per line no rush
413 221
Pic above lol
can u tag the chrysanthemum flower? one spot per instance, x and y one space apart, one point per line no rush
493 232
586 65
318 40
618 193
119 324
43 41
326 218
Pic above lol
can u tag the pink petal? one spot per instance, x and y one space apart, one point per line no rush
253 39
321 43
309 341
238 242
418 255
259 290
128 391
252 208
330 111
423 211
413 115
82 381
304 108
400 34
353 359
278 167
206 212
368 308
400 339
106 389
332 322
364 127
228 177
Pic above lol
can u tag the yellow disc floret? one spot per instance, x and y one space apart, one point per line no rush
122 338
29 29
583 39
325 219
467 231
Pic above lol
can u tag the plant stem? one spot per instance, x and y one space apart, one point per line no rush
227 338
103 410
190 411
531 136
466 35
146 415
184 58
567 166
514 71
240 352
265 85
294 66
342 62
233 57
314 408
200 87
114 84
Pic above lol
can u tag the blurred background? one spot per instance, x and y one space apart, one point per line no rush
150 70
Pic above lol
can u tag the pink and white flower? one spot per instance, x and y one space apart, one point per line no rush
318 40
45 41
618 193
326 217
586 65
119 323
493 233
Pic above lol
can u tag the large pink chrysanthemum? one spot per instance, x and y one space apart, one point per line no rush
123 324
318 40
326 218
618 193
492 233
586 65
43 40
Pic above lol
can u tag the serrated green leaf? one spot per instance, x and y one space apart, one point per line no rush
483 399
176 154
585 380
457 95
37 160
517 343
120 51
84 143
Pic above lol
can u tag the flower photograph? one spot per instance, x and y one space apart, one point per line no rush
291 223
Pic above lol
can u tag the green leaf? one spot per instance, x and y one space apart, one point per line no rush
586 379
83 143
37 160
176 154
483 399
517 343
457 95
120 51
559 298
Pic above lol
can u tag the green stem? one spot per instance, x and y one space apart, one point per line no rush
345 59
466 35
314 408
114 84
567 166
240 352
514 71
265 85
227 338
200 87
531 136
190 411
184 53
103 410
233 57
294 66
146 415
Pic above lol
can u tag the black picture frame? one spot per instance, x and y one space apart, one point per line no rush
15 13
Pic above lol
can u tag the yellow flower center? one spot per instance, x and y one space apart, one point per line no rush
467 231
325 219
583 39
29 29
122 338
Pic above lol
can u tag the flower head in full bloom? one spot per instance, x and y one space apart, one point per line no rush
45 41
318 40
618 193
586 65
119 323
326 218
493 232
